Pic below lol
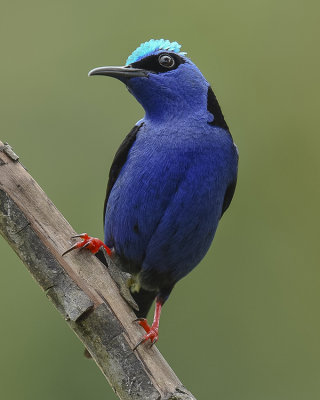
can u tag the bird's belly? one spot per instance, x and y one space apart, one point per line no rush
162 214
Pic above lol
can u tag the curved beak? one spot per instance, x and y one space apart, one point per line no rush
119 72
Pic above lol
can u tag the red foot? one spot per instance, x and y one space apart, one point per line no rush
91 243
151 331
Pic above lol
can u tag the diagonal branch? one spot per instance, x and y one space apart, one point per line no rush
81 288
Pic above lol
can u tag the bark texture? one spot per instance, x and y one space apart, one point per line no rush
81 288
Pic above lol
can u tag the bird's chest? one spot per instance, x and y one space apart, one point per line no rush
162 160
167 187
165 154
155 170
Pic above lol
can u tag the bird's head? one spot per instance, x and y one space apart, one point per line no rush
162 79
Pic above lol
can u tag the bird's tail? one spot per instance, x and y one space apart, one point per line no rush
144 299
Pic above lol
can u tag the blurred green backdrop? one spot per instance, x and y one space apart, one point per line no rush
245 323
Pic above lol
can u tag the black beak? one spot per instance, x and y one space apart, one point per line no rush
119 72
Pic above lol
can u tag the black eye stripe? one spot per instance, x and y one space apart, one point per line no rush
151 63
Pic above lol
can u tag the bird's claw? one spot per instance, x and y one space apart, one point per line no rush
91 243
151 332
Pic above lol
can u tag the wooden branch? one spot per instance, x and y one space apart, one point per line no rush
81 288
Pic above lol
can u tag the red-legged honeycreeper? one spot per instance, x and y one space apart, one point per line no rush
172 178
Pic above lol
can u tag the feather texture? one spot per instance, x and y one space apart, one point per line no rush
174 175
151 47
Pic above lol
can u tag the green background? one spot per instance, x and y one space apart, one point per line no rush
245 323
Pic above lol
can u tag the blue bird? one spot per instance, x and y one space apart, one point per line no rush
172 178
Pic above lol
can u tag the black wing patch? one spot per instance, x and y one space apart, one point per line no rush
214 108
118 162
228 196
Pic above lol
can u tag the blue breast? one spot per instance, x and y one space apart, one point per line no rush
165 206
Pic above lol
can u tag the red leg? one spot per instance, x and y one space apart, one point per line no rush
152 332
91 243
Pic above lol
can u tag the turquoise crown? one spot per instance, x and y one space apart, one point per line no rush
151 47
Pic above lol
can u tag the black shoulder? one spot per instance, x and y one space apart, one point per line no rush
214 108
228 196
119 160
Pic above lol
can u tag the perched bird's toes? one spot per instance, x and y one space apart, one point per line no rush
144 323
139 319
91 243
81 235
138 344
154 341
152 335
71 248
151 332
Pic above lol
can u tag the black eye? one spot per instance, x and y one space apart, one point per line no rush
166 61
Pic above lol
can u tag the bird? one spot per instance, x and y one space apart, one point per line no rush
171 180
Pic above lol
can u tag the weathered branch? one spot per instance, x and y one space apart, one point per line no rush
81 288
